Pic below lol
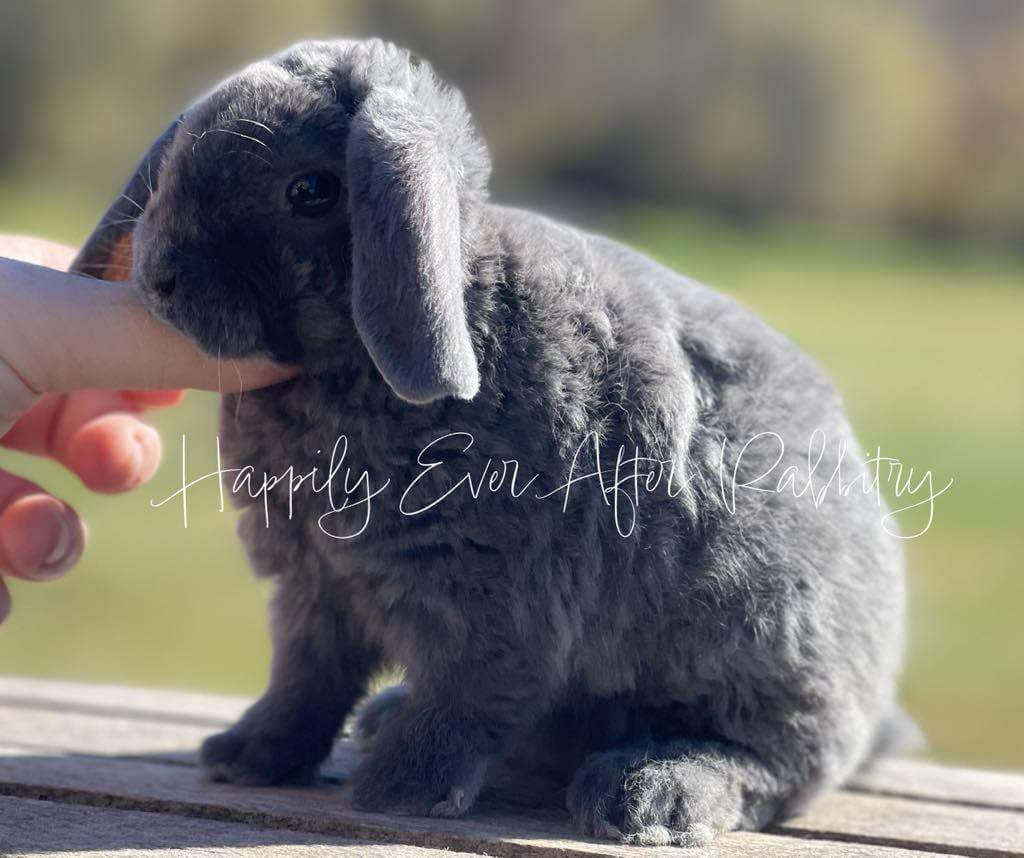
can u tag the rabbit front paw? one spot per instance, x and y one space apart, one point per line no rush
238 757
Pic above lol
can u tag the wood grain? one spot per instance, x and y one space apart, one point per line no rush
926 780
131 753
31 828
913 823
176 790
211 710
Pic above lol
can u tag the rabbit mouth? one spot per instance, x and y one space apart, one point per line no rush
218 331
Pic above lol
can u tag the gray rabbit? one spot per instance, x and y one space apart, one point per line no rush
688 657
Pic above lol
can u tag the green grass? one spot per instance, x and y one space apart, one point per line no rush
926 344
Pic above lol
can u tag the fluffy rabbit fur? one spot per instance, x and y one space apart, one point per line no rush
713 670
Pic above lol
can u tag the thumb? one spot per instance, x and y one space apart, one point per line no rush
62 332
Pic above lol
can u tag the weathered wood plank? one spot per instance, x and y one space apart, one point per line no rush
48 730
30 828
35 717
45 730
926 780
909 804
920 824
211 710
175 790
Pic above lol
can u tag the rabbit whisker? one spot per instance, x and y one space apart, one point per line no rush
247 152
149 174
254 122
135 203
241 393
105 267
120 221
243 136
108 243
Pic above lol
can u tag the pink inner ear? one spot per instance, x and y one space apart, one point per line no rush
119 261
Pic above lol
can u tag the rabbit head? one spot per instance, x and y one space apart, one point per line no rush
332 188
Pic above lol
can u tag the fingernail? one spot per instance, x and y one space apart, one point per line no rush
66 548
145 440
41 537
62 547
57 561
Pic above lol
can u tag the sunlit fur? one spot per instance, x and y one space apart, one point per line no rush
712 670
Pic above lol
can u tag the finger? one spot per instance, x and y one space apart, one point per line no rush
40 536
35 431
51 421
5 600
94 434
32 432
16 397
38 251
113 453
154 398
93 333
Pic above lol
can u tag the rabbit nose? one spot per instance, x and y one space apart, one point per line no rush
165 287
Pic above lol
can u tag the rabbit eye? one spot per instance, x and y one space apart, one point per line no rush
313 194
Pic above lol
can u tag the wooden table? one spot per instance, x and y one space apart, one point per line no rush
104 770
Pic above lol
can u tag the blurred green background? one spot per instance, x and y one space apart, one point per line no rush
852 171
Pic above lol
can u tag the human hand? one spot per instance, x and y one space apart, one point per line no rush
80 361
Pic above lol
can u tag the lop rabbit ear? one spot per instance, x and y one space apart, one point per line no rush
408 266
107 252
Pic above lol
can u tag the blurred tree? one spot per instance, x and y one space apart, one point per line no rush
19 30
892 111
